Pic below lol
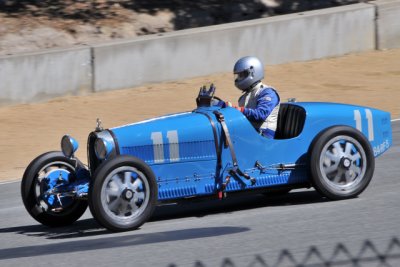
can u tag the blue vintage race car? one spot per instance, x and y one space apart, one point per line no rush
208 152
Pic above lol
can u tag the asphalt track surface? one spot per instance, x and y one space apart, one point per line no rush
237 228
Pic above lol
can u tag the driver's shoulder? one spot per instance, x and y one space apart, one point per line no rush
266 90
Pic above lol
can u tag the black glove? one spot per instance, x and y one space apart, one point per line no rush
210 92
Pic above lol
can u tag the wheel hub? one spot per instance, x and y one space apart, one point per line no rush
127 194
53 179
346 163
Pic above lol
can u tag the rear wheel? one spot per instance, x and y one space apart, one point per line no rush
341 163
123 194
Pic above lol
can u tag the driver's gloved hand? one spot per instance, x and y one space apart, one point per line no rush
207 92
211 90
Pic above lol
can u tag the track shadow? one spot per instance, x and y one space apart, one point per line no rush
117 241
195 208
201 208
81 228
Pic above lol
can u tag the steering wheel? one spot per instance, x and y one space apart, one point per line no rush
219 99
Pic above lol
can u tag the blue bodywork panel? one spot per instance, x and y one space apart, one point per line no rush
181 149
211 151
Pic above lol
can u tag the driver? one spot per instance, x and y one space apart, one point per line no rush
260 102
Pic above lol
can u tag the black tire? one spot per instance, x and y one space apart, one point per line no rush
33 201
115 201
342 163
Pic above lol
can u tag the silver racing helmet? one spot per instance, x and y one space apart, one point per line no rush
248 71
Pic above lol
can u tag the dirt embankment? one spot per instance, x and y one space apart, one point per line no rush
27 25
370 79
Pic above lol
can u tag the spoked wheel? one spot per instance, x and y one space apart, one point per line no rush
123 194
41 176
342 163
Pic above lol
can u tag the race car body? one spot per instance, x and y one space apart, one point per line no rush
210 151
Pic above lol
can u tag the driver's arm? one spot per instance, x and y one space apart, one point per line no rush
267 100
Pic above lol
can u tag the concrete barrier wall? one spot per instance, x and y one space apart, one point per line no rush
200 51
37 76
388 24
196 52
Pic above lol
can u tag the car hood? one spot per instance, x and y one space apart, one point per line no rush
177 137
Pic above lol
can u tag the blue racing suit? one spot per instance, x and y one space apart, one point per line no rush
260 105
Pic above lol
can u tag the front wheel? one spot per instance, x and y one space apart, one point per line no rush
41 176
342 163
123 194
